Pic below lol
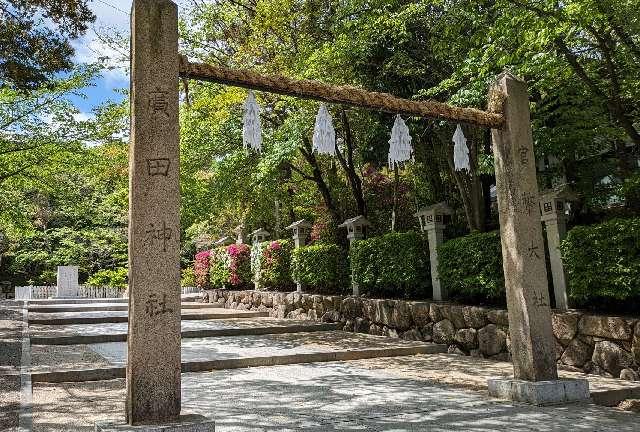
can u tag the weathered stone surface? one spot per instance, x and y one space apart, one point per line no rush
525 272
444 332
606 327
491 340
348 326
467 338
454 314
475 317
427 332
635 347
391 332
498 316
577 353
153 381
629 374
565 326
401 315
420 313
453 349
435 311
375 329
361 325
413 334
632 405
383 312
350 307
611 357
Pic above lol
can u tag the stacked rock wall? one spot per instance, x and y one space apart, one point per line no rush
604 345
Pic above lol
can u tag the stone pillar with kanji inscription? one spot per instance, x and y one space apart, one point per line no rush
432 222
525 274
553 215
154 360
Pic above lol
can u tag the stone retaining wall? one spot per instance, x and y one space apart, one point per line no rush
604 345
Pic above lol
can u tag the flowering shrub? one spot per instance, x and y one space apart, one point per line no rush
271 264
201 269
230 266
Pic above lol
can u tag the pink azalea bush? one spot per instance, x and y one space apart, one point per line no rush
230 267
201 266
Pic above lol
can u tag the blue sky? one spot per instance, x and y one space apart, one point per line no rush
110 14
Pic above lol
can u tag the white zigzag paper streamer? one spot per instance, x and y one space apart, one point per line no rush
460 151
324 135
400 149
251 130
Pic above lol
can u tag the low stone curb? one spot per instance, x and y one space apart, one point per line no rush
121 319
100 374
238 331
105 308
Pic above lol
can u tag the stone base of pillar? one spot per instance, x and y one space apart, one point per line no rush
540 392
186 423
298 287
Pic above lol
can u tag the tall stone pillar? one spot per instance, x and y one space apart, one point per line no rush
553 215
525 273
153 362
432 221
67 282
300 231
356 230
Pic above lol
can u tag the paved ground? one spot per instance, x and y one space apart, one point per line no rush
203 349
121 328
10 354
435 392
340 396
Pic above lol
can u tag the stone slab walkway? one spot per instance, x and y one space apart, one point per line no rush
48 358
339 396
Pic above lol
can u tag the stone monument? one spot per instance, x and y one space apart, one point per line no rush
153 393
432 220
525 273
67 282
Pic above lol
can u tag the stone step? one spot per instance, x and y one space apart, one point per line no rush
65 318
54 301
80 307
79 339
107 373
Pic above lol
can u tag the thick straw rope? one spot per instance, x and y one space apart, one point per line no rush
338 94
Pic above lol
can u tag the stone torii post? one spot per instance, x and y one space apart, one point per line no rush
153 393
525 273
432 220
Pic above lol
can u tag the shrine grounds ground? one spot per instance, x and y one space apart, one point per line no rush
425 392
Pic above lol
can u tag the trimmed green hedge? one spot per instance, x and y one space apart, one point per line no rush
602 262
271 264
395 264
470 267
321 268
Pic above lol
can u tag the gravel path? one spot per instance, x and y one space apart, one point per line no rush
10 355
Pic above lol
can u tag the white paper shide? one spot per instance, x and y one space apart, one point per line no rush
460 151
324 135
251 130
400 149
